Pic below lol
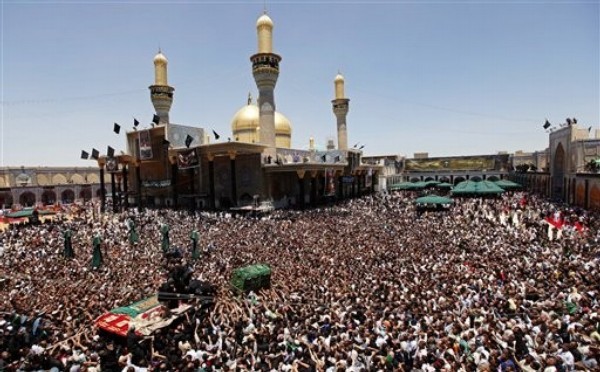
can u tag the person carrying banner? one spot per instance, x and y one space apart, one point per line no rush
97 253
194 236
164 230
133 235
68 245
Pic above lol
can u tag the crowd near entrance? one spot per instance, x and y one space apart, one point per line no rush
485 280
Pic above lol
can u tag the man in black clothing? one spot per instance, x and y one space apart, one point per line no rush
134 347
108 358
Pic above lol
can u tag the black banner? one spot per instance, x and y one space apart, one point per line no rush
187 159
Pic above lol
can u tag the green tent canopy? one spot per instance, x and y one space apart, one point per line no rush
433 200
444 185
477 188
26 213
508 185
403 186
420 185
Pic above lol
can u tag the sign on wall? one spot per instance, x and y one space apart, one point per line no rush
145 145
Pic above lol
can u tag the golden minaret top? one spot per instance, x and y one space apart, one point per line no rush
339 86
264 28
160 69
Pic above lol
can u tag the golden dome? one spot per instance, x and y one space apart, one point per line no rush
160 58
264 20
245 119
282 125
246 122
339 78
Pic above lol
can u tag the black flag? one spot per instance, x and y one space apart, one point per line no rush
95 154
337 159
110 152
324 158
84 154
155 119
188 141
589 129
135 123
547 124
356 144
116 128
216 135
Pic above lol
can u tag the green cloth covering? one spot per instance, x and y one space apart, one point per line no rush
133 235
195 236
97 253
137 308
68 245
251 278
165 243
571 307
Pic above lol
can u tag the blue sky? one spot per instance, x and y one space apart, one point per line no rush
445 77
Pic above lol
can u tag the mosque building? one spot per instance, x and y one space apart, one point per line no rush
176 165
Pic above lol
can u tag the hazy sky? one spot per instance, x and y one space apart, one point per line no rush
446 77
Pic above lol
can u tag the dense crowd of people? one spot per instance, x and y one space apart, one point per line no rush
371 284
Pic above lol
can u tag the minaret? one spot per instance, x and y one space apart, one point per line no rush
161 93
265 69
340 109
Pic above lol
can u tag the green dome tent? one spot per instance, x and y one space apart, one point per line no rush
433 200
482 188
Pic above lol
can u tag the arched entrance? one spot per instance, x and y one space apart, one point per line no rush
27 199
445 179
475 179
48 197
85 194
429 179
595 198
493 178
67 196
559 172
246 199
458 180
415 179
6 200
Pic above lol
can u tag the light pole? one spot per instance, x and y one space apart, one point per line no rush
101 164
124 174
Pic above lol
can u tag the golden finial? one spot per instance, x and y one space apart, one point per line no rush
249 98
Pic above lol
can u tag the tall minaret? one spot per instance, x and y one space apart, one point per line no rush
265 68
340 109
161 93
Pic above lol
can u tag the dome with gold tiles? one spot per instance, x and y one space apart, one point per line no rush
245 126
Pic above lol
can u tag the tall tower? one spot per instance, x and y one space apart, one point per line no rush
340 109
161 93
265 69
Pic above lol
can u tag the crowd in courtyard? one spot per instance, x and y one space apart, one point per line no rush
370 284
